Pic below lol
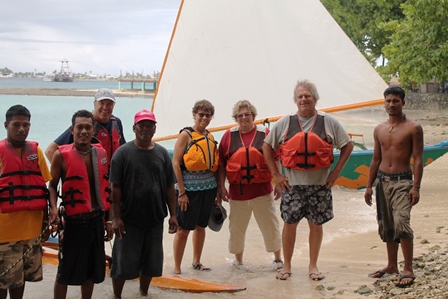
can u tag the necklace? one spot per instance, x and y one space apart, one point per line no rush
392 126
86 152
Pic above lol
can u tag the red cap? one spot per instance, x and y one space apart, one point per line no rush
144 115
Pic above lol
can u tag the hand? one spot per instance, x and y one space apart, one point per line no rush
368 196
332 177
109 232
173 225
223 195
118 227
282 181
183 202
414 197
277 192
47 232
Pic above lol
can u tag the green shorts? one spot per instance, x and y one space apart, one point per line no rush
28 269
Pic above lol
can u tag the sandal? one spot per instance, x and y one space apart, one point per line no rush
200 267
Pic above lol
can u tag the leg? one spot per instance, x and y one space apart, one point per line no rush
117 285
392 261
60 290
87 290
407 247
315 240
288 240
180 241
16 293
240 213
198 244
144 284
3 293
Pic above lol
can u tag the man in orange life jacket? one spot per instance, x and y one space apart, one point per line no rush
241 160
305 140
108 128
83 170
23 204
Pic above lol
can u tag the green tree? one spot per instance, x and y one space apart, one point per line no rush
362 21
419 45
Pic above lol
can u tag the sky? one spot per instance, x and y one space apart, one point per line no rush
101 37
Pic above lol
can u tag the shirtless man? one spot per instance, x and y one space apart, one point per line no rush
396 140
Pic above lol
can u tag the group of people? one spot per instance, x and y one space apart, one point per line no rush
113 187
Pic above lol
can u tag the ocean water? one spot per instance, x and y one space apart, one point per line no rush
76 84
51 115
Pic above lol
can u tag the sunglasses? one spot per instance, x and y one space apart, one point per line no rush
206 115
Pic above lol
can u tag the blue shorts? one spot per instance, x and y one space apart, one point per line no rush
199 209
313 202
139 252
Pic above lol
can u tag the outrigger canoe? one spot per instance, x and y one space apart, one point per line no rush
356 170
168 282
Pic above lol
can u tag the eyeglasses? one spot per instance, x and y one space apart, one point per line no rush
206 115
306 96
243 115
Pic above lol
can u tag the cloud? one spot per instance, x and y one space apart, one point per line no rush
104 37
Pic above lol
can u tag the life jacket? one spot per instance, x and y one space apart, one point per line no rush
246 165
306 150
201 153
76 197
22 186
109 140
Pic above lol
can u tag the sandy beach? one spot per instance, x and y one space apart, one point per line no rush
345 259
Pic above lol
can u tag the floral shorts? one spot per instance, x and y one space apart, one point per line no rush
313 202
28 269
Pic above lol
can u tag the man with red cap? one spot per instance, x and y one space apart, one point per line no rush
142 179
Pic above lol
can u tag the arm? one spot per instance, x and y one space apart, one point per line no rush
171 203
346 150
179 149
374 166
49 152
57 164
277 188
117 223
279 178
417 152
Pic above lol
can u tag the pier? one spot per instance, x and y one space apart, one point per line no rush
144 82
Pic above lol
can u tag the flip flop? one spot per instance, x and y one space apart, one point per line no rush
407 284
379 273
283 275
277 264
317 276
200 267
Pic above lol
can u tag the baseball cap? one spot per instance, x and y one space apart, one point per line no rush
217 217
144 115
104 94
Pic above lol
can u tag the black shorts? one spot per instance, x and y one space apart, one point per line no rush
199 209
83 258
140 251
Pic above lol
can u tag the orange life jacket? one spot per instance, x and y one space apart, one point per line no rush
201 153
76 197
306 150
22 186
109 140
246 165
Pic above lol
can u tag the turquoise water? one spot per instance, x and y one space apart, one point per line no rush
51 115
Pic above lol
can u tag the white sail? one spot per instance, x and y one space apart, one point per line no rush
228 50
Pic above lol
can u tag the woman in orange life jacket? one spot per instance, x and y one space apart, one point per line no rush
241 161
305 139
195 162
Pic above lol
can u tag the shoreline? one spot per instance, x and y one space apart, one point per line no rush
72 92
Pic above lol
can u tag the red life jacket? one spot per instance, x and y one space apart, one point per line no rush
22 186
76 197
306 151
109 140
246 165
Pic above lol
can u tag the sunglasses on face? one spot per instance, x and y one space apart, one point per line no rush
206 115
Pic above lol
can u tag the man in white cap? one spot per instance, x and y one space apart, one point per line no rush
108 128
142 179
